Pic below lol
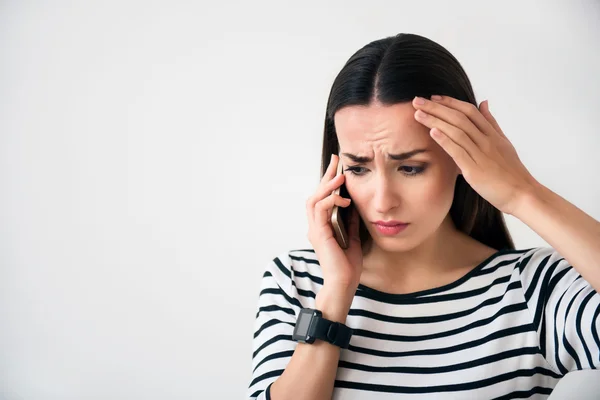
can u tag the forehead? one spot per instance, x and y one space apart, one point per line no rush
392 126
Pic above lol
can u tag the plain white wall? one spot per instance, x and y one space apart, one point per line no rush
155 156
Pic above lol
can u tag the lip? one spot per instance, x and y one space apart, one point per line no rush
390 230
390 223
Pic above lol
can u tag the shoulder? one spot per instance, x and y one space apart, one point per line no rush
523 257
541 256
485 257
296 263
530 259
544 266
294 274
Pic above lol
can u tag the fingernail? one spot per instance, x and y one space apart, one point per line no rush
331 159
436 97
419 100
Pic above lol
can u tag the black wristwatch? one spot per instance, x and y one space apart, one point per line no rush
311 325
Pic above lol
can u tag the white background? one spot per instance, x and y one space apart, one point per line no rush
155 156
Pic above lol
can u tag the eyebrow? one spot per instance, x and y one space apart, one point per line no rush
397 157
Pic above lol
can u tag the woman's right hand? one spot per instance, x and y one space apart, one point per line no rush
341 268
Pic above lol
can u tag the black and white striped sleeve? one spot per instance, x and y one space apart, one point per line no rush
274 324
565 309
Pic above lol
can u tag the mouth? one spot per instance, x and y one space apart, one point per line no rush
388 228
390 223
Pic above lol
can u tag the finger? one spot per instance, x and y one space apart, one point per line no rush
323 206
328 176
331 169
455 133
488 115
324 190
452 120
470 110
460 156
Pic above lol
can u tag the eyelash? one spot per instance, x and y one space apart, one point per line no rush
418 170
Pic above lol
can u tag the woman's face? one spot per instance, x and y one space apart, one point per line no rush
417 190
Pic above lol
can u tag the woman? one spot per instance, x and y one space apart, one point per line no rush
440 303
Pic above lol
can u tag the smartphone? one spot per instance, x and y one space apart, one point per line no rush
340 216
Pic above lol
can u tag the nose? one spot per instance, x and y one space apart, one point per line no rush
384 198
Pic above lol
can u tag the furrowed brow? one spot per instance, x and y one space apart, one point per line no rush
396 157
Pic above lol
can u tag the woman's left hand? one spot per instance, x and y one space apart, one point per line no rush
485 156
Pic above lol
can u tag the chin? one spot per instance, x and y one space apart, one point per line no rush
395 244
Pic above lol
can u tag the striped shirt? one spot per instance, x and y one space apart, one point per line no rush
510 328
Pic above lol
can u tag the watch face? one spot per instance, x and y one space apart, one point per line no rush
302 325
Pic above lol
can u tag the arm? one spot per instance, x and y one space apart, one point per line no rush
490 164
569 230
564 307
312 369
551 279
282 368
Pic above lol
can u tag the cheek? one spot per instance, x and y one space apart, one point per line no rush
439 191
360 197
430 193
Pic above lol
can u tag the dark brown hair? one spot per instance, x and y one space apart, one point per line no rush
395 70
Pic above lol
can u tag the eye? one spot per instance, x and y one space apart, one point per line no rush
415 170
355 170
406 170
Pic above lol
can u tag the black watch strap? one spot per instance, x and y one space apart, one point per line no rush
311 325
333 332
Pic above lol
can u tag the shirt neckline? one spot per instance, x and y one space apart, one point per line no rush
377 294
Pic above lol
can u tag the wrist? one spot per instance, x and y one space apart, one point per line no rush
335 303
528 199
